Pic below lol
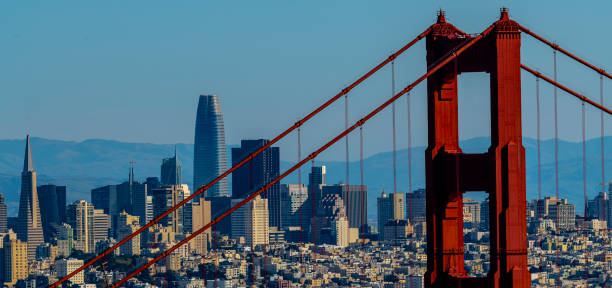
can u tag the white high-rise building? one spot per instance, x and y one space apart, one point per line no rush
257 222
340 230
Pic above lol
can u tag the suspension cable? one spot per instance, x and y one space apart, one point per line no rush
584 188
539 159
247 158
556 141
309 158
557 48
362 195
393 127
299 158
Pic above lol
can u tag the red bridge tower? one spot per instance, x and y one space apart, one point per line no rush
500 172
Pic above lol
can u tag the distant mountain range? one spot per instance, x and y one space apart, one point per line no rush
92 163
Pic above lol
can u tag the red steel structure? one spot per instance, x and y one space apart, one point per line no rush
449 172
500 172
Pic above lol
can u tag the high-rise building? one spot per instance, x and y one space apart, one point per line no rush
562 213
218 205
200 217
258 172
129 196
64 267
355 199
171 171
471 212
65 240
2 214
416 206
340 231
126 225
396 230
13 259
597 207
52 200
29 228
163 199
316 179
484 215
257 222
101 226
209 152
389 208
293 199
79 215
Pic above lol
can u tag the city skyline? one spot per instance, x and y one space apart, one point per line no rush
486 205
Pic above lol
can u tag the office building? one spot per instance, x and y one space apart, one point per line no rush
562 213
65 240
484 215
293 199
416 204
340 231
316 179
397 230
166 197
126 225
52 201
3 218
257 173
29 227
256 222
101 226
218 205
171 171
355 202
389 207
13 259
209 152
200 217
79 215
471 212
64 267
597 207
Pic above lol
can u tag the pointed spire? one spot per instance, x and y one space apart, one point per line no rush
28 164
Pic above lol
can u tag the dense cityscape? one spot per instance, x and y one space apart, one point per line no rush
312 234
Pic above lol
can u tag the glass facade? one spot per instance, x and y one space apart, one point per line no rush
210 156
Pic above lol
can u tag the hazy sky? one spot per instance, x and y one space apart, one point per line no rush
133 70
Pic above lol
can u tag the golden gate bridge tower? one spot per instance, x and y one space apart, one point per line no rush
500 172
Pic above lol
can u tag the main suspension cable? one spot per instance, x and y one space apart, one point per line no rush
312 155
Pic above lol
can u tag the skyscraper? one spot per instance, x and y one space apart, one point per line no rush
171 171
262 169
80 216
355 199
415 206
209 154
256 222
29 227
293 199
163 199
126 225
200 217
52 200
2 214
390 207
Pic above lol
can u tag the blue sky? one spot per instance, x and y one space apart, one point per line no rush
132 70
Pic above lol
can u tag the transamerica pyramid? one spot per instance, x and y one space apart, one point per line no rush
29 228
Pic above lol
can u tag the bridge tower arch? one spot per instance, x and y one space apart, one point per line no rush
500 171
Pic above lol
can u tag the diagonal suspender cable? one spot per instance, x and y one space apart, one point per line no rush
562 87
431 71
249 157
567 53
